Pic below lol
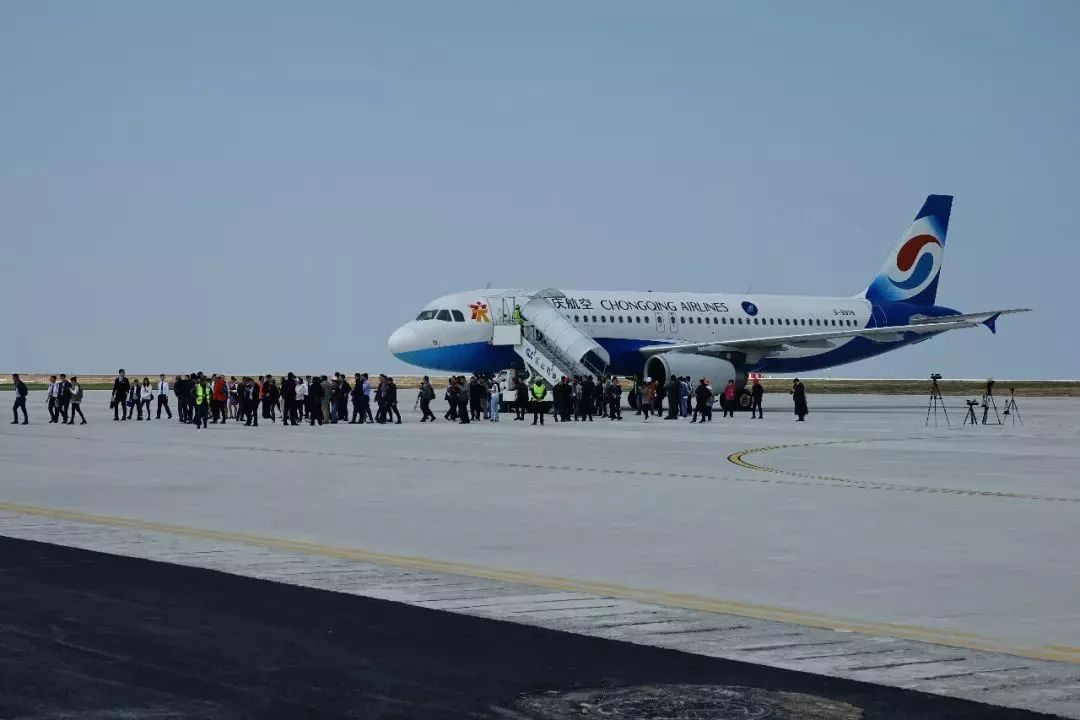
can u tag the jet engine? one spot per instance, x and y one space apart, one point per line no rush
717 370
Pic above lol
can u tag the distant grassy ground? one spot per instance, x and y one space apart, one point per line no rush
970 388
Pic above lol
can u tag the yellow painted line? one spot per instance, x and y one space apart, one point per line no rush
970 641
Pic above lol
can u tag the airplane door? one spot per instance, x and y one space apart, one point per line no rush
660 325
879 317
673 324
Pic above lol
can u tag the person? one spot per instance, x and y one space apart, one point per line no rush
269 398
234 398
365 399
146 395
494 398
76 402
181 388
21 391
64 398
757 392
538 392
315 401
201 401
163 396
730 394
517 316
219 399
476 389
615 399
289 393
672 392
344 391
703 396
53 399
327 397
588 389
521 399
798 394
121 387
391 401
684 396
463 401
646 399
451 396
251 392
301 404
427 394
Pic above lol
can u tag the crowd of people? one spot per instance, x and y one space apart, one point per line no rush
203 400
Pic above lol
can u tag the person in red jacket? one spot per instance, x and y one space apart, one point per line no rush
218 396
730 393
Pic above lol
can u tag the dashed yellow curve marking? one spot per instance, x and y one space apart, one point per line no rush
739 458
1061 653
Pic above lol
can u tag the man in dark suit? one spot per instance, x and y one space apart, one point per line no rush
21 392
120 389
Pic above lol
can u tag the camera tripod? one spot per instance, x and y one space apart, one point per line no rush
970 418
1011 410
987 403
936 401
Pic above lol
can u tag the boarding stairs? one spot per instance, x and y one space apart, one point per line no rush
548 343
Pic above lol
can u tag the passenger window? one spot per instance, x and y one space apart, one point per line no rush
577 318
755 321
699 321
458 316
594 318
620 318
612 318
443 315
603 318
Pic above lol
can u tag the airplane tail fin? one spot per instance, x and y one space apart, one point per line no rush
910 274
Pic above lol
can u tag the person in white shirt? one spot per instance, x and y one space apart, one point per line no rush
163 396
301 397
496 398
54 400
146 394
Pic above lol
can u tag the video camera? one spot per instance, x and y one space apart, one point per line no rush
935 376
973 403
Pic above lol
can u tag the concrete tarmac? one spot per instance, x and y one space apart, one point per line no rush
861 519
91 635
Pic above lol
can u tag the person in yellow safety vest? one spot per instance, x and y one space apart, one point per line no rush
518 319
202 402
538 391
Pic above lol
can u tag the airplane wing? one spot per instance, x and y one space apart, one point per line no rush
920 325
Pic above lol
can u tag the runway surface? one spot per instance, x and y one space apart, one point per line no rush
93 635
861 519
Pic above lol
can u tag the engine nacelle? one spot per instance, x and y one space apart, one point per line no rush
717 370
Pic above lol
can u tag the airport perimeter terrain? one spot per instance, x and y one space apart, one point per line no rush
861 564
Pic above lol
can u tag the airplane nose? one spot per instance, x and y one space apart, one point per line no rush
402 340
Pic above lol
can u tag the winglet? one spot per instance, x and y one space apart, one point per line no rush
991 322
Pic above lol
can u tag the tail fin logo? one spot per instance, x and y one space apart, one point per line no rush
911 271
912 274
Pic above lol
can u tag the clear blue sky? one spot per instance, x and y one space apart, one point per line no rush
251 185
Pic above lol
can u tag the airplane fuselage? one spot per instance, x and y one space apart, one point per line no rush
624 322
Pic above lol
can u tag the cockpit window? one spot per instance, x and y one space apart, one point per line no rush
426 315
458 316
443 315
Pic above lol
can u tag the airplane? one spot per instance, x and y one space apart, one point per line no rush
718 336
